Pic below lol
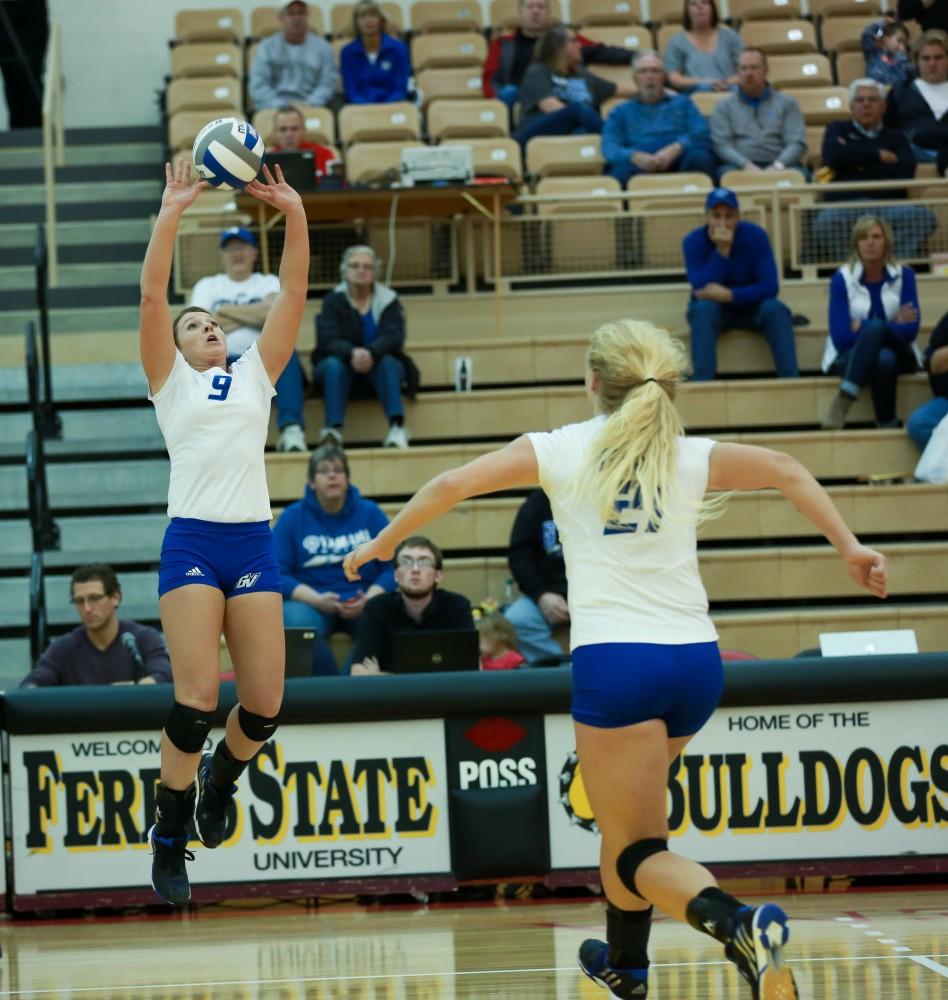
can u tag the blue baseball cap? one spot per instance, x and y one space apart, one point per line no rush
721 196
238 233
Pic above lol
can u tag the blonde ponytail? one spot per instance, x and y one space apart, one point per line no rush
637 369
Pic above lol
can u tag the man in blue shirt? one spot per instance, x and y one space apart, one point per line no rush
656 132
733 278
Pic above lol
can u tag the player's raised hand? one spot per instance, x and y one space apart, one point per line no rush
179 192
275 192
869 569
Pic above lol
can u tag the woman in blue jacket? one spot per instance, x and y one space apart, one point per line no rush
375 66
873 323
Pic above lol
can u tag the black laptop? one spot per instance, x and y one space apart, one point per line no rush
434 652
300 648
299 168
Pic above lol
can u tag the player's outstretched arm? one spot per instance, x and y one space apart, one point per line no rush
513 466
747 467
156 338
282 327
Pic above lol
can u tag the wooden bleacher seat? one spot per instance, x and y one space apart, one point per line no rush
207 59
849 66
445 15
467 119
664 34
340 20
821 105
832 8
627 36
225 24
587 186
265 21
805 70
566 155
318 123
202 93
680 183
843 33
665 12
586 12
444 50
449 84
707 101
367 162
780 37
617 74
493 157
398 120
184 126
756 10
569 239
814 145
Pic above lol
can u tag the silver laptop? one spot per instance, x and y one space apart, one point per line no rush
896 640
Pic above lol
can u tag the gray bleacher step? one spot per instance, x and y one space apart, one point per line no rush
71 194
99 274
97 135
89 297
119 430
82 173
80 383
139 599
80 234
118 540
101 319
115 154
14 662
107 485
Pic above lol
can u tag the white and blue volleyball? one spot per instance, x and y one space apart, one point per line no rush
227 153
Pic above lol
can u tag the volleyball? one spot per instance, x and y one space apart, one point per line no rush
227 153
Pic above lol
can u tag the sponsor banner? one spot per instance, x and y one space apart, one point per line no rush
790 782
502 751
318 802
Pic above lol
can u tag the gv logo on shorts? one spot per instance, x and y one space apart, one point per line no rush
246 581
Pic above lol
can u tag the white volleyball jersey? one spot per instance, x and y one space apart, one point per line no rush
215 426
628 581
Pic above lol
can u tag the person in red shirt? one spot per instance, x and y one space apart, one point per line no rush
498 643
290 129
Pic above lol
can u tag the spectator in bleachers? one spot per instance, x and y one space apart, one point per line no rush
293 66
360 340
511 52
929 13
417 605
758 128
559 96
885 47
498 643
290 128
312 537
929 415
375 66
873 323
703 55
103 649
920 107
656 131
536 561
240 298
865 150
733 278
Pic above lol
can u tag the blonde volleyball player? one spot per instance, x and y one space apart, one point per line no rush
218 571
627 491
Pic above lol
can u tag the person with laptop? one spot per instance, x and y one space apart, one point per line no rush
417 605
240 298
290 129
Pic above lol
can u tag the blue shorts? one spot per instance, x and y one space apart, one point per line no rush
621 683
235 558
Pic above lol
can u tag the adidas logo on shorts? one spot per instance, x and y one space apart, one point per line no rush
194 572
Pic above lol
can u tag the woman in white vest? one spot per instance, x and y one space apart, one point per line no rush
873 322
627 491
218 570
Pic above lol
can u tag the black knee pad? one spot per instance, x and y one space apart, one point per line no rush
633 856
258 728
187 727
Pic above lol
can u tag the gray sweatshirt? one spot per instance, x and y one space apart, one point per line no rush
771 130
292 74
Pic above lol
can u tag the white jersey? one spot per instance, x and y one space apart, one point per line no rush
215 425
218 290
628 582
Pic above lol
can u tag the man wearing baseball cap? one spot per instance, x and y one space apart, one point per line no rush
733 278
294 66
240 298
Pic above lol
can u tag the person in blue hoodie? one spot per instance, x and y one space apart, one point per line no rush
312 537
375 66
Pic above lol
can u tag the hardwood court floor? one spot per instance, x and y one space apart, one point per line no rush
854 946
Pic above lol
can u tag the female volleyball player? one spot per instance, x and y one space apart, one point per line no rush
627 491
218 570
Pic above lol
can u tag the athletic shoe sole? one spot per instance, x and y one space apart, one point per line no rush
775 981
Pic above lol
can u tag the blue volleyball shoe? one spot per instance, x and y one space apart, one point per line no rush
756 948
624 984
169 874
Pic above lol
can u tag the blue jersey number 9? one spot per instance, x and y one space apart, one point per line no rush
222 384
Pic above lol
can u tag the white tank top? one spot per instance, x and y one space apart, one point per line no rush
215 426
627 583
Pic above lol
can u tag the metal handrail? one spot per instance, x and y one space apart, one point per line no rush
37 607
46 420
44 529
54 141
